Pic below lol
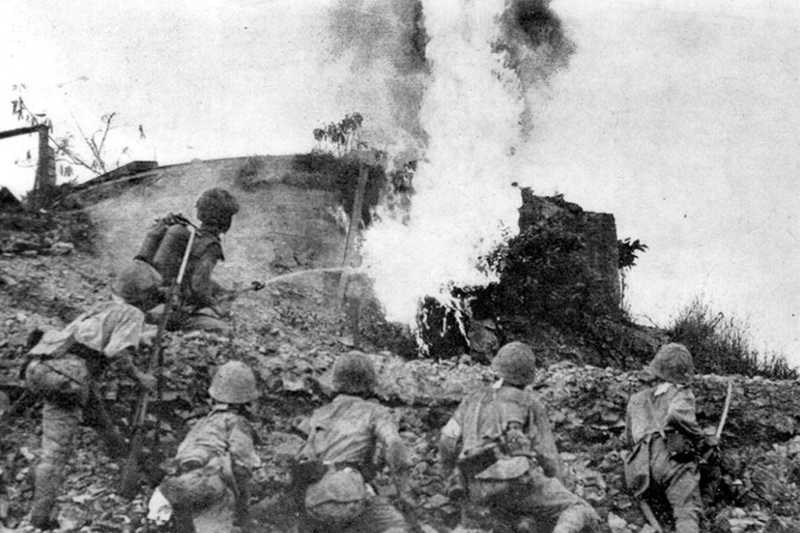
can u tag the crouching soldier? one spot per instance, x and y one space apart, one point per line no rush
508 458
65 368
208 486
662 428
335 466
205 304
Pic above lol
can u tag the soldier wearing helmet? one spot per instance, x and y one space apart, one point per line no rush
661 426
208 484
498 450
156 265
334 468
65 369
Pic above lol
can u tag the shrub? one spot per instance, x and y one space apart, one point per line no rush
721 345
544 274
247 175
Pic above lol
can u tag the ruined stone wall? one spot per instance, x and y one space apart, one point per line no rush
599 233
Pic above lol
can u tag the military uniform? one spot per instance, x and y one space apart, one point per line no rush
662 428
64 367
343 437
158 261
500 441
209 484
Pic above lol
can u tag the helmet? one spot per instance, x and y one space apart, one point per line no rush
673 363
354 373
515 363
216 207
234 382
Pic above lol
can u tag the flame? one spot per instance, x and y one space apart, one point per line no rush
464 198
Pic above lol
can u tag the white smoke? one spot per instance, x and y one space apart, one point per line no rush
464 198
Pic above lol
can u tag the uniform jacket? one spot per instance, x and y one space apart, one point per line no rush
655 411
347 431
484 416
222 431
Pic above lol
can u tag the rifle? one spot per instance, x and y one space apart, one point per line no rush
130 472
728 396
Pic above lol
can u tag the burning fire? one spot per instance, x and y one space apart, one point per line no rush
464 200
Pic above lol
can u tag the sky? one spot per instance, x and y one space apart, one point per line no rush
678 117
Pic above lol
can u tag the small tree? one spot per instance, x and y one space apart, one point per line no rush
66 153
340 138
627 256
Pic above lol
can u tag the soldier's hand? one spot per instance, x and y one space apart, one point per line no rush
146 380
712 441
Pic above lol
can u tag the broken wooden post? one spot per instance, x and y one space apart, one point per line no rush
355 216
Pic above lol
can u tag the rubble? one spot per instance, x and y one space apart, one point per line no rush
291 335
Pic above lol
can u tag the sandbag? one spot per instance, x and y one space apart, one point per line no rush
338 498
66 375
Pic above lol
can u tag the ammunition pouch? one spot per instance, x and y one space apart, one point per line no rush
305 473
471 462
501 479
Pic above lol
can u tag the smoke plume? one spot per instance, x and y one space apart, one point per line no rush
382 43
457 76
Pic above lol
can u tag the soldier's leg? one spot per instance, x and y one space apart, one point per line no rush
548 501
380 516
682 483
683 494
59 425
206 320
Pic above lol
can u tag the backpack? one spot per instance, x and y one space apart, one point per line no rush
155 235
338 498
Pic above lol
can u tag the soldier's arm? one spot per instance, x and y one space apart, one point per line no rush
145 379
243 461
681 414
544 443
205 291
395 450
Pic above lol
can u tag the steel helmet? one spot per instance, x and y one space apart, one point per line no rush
515 363
354 373
673 363
234 382
216 207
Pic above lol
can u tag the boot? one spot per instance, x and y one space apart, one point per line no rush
47 482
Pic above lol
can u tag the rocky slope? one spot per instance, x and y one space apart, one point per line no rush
291 333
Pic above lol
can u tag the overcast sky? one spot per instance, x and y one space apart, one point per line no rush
679 117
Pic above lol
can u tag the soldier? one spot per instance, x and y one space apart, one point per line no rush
205 303
335 466
662 428
64 369
209 484
508 458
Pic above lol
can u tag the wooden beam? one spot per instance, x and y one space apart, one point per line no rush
22 131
